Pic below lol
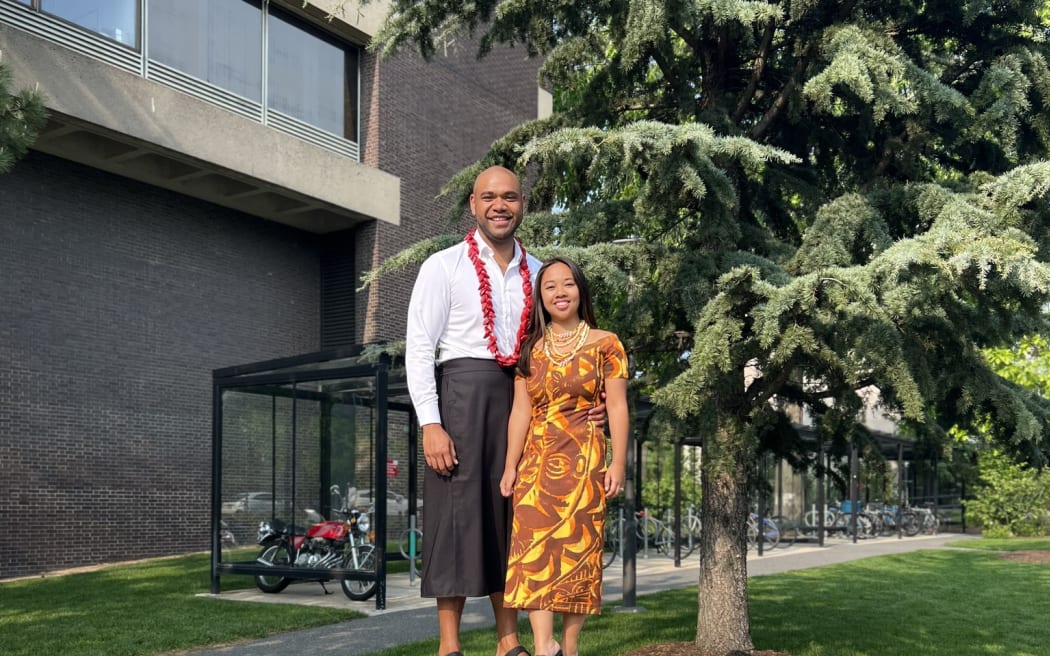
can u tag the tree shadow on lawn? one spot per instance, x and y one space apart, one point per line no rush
935 603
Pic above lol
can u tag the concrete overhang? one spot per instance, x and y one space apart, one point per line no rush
357 21
119 122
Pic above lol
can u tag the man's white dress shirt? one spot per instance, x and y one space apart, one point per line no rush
445 320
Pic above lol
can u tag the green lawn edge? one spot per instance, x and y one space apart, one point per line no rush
935 602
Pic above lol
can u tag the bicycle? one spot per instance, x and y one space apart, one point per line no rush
686 541
788 529
932 522
926 519
649 531
770 532
837 519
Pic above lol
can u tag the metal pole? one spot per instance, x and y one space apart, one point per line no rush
820 491
413 464
216 485
936 484
630 573
677 503
854 484
760 528
900 490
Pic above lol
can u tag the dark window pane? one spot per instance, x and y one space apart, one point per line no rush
116 19
308 76
219 41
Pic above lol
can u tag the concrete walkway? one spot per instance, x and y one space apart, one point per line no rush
409 618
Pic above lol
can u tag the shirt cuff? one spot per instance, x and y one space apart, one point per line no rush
428 415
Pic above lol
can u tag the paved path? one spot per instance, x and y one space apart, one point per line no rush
409 618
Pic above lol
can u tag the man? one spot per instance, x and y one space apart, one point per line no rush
467 317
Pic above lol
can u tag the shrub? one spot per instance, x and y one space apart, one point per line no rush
1011 498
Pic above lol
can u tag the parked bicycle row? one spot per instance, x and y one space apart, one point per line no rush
873 519
655 535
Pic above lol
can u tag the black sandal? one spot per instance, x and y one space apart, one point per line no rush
518 651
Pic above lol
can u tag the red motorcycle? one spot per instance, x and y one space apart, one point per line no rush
342 544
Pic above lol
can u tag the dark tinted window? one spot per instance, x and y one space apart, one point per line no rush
311 78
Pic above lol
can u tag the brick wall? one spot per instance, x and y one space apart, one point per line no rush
429 121
117 300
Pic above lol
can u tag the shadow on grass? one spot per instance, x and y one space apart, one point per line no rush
929 603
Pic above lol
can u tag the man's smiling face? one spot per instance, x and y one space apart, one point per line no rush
497 204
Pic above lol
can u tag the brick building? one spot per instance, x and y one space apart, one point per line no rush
214 178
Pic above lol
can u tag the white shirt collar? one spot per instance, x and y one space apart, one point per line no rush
485 251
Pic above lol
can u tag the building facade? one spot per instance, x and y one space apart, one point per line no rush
214 178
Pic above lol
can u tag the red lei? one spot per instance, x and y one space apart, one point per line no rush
487 311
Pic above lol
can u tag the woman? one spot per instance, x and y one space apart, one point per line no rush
556 459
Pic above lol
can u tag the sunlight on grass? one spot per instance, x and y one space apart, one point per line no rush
957 602
1005 544
934 603
140 610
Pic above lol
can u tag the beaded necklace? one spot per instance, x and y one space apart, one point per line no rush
558 358
489 313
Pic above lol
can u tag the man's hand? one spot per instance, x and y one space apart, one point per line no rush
597 414
438 449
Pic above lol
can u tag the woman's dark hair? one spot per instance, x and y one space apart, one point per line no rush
540 317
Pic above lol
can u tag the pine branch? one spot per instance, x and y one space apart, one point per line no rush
756 72
781 98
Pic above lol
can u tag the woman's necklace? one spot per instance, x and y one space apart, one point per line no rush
561 339
558 358
487 311
566 336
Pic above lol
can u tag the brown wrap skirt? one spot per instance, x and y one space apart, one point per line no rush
466 521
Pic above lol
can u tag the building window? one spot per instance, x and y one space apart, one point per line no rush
310 77
218 41
247 56
116 19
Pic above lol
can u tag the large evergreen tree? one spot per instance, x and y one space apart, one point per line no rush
22 115
819 198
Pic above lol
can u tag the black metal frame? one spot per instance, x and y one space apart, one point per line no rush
292 371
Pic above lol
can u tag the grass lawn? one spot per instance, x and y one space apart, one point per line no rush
935 603
141 609
929 603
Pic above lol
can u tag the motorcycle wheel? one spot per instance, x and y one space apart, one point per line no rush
366 562
277 554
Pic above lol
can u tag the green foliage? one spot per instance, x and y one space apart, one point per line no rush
1011 499
832 197
658 478
414 255
22 116
1027 363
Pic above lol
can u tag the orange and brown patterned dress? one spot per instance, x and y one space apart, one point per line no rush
555 558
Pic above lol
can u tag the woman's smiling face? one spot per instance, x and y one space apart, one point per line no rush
560 294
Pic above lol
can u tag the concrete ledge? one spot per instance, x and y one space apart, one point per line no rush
120 122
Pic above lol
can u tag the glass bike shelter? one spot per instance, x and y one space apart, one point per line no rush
297 440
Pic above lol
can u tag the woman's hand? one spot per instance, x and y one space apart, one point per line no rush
614 477
506 484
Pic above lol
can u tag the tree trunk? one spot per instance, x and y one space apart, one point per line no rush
723 627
